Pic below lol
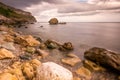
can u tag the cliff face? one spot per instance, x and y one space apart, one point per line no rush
10 15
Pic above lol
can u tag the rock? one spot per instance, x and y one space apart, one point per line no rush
42 53
52 44
53 71
71 60
4 53
92 66
26 56
84 72
7 76
28 71
27 40
8 38
8 45
103 57
42 46
30 49
76 78
53 21
17 72
68 46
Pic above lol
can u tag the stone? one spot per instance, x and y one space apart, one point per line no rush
8 38
53 71
28 71
27 40
84 72
53 21
92 66
7 76
51 44
30 49
5 54
76 78
8 45
42 53
17 72
103 57
29 68
42 46
68 46
71 60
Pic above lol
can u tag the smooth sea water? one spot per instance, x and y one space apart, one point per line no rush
82 35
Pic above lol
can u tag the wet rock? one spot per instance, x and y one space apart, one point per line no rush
53 21
27 40
5 54
8 45
29 68
7 76
71 60
92 66
26 57
42 53
84 72
30 50
28 71
17 72
68 46
52 44
103 57
53 71
42 46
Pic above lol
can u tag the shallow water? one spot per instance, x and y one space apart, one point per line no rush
82 35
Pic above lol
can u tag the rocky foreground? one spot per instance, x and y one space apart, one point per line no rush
24 57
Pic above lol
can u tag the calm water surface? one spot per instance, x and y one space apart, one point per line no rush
82 35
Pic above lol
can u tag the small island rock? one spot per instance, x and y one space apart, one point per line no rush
53 21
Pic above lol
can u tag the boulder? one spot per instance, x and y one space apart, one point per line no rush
103 57
68 46
4 53
53 21
84 72
53 71
51 44
71 60
7 76
92 66
27 40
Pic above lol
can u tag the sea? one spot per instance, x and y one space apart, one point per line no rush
83 36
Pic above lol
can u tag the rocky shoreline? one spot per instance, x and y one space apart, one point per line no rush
24 57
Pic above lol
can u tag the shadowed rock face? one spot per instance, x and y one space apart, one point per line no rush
103 57
10 15
53 21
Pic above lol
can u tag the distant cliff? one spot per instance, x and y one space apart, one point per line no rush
10 15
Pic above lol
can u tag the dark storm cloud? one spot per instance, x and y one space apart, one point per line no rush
26 3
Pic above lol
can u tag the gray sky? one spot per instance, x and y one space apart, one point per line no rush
70 10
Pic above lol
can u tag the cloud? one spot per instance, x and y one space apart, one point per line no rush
26 3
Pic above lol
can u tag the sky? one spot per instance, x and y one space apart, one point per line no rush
70 10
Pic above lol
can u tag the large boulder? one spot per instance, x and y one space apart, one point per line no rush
53 21
103 57
53 71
